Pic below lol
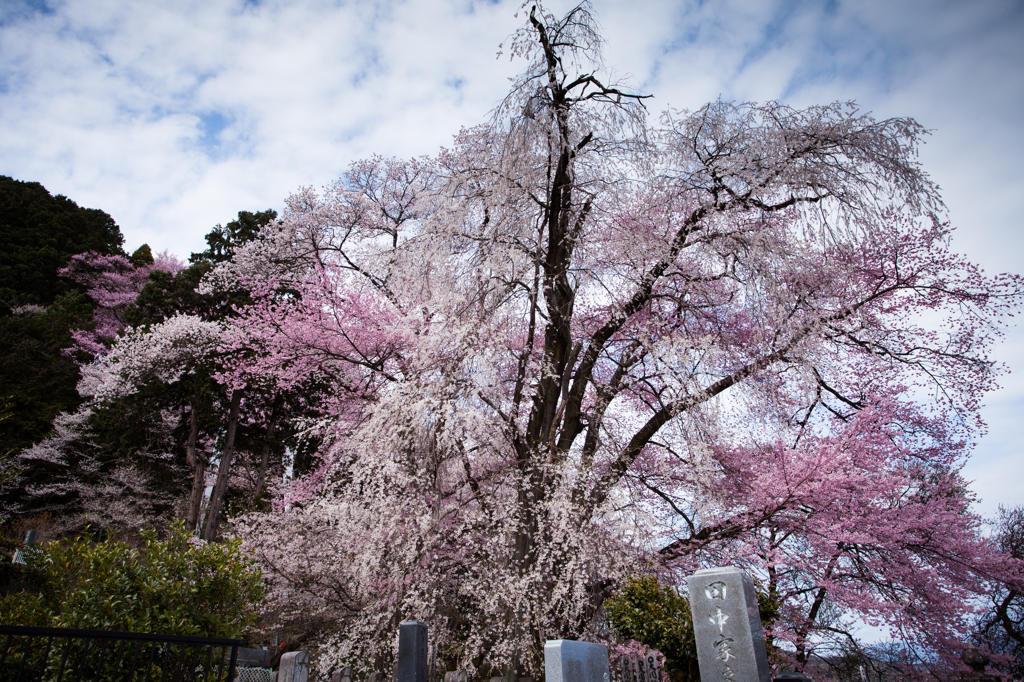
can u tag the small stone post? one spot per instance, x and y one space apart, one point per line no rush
652 669
627 669
727 626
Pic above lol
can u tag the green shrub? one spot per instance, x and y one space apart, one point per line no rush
175 586
652 614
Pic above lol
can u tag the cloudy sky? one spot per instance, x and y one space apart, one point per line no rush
174 115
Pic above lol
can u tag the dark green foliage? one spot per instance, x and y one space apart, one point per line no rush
166 295
37 377
142 256
38 234
174 586
655 615
223 240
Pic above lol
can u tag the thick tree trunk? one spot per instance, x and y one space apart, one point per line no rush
223 470
261 479
198 464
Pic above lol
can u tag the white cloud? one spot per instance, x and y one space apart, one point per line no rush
109 102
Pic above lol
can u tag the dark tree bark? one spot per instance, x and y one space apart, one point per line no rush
198 464
223 470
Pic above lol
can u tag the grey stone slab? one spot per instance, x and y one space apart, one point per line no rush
253 658
294 667
413 661
343 674
456 676
567 660
727 627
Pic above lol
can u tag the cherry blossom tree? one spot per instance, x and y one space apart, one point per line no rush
1000 628
577 346
113 283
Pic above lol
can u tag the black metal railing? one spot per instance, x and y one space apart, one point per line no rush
62 655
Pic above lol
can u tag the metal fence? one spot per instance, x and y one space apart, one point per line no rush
59 655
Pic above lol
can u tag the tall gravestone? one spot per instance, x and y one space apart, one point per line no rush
727 626
413 663
566 660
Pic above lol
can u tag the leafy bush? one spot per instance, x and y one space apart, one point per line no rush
179 586
655 615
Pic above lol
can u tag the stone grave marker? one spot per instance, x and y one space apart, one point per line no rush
566 660
642 669
413 662
294 667
456 676
727 626
30 539
253 658
626 666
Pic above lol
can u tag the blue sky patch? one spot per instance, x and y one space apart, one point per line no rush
211 125
11 11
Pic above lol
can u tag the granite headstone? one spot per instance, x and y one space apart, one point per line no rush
566 660
252 658
294 667
727 626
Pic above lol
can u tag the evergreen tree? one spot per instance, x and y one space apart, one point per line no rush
39 234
